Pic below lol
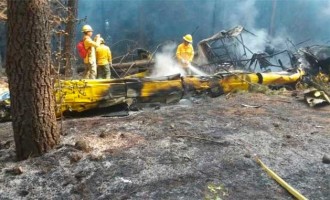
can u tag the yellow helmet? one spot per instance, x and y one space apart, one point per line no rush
188 38
86 28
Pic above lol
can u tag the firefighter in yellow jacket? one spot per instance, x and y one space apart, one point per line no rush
185 52
104 60
90 45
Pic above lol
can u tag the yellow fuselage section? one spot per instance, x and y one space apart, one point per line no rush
81 95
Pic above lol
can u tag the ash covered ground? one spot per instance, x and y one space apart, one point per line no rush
200 148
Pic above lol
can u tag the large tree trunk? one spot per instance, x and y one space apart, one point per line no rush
69 37
28 70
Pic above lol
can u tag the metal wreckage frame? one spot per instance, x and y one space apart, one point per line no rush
83 95
227 49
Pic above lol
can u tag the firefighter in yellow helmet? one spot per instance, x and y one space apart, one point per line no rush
90 45
185 52
104 60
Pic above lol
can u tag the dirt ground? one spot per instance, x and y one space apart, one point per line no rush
199 148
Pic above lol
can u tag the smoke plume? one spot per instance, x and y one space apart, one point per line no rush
151 22
165 63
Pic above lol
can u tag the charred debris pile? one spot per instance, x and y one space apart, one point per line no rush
227 53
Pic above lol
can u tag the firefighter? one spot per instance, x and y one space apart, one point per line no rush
90 45
104 60
185 53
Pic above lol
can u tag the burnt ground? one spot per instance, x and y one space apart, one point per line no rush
202 148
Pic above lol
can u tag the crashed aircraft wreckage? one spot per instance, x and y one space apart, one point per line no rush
83 95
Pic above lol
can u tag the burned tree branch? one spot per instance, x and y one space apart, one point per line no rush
137 63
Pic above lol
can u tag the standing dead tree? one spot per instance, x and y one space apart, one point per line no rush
69 36
64 18
28 69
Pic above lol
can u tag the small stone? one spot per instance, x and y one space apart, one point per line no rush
68 180
314 132
23 193
185 102
18 170
96 157
103 135
111 151
122 135
275 124
82 145
288 136
81 174
15 171
5 145
75 157
247 155
326 159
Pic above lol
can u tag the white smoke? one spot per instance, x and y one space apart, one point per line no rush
326 10
165 63
256 43
246 14
262 40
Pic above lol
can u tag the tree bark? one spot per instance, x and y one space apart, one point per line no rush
69 37
28 69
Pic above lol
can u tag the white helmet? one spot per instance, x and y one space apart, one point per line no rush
86 28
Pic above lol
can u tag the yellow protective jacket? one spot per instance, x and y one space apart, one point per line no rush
185 52
103 55
90 46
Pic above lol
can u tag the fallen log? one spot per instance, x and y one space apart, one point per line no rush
137 63
126 68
